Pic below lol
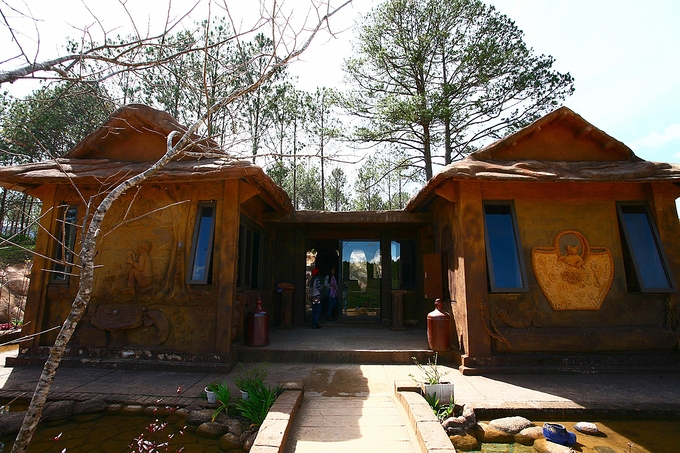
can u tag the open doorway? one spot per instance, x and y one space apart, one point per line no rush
322 255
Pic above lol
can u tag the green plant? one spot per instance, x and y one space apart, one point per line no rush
223 395
431 372
213 386
441 411
260 400
250 374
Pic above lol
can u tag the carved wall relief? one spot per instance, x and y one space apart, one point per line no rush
119 318
572 274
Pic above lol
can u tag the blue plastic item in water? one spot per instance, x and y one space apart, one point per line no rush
558 434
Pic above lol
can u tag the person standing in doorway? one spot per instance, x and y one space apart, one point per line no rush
332 284
315 286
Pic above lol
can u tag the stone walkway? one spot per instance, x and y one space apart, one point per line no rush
351 424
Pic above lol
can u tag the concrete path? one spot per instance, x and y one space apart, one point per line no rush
351 424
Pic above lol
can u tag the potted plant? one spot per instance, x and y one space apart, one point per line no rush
432 383
211 391
247 375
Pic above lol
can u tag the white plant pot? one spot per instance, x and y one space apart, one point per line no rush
212 396
444 391
244 394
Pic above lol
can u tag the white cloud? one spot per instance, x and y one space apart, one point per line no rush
656 139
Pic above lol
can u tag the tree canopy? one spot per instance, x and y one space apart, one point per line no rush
438 77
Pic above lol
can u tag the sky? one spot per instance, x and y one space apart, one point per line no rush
623 54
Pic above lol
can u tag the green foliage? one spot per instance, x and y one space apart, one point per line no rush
440 77
52 120
213 386
250 374
431 372
19 253
260 400
223 395
441 411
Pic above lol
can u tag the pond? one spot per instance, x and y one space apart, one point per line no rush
115 433
616 436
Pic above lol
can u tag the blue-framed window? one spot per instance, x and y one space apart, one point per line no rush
504 258
644 259
200 269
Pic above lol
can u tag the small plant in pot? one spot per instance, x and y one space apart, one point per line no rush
432 383
248 375
211 391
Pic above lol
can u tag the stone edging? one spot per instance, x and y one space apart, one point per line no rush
274 431
429 432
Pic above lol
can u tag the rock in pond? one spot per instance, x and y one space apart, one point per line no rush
210 430
465 442
586 427
510 425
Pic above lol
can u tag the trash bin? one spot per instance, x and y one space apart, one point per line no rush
258 326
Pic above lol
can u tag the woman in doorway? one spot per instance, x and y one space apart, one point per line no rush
315 293
331 284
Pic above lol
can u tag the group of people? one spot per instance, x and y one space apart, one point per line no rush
316 291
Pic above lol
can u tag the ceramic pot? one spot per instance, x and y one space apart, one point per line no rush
444 391
212 397
244 394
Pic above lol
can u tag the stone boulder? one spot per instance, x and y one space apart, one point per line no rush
229 442
465 442
58 410
91 406
529 435
210 430
234 426
545 446
196 417
510 425
11 423
486 433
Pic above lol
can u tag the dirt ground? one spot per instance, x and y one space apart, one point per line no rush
14 281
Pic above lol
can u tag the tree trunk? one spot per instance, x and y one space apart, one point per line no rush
427 153
3 201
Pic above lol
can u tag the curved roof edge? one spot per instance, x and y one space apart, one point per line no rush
480 165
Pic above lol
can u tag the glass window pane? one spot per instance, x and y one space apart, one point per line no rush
505 270
403 264
66 240
644 247
361 273
203 244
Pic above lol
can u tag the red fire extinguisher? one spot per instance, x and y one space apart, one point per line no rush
439 328
258 326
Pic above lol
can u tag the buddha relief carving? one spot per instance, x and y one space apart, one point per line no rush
571 274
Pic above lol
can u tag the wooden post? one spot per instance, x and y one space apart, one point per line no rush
37 290
229 217
477 340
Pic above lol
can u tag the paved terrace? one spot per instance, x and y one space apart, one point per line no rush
352 406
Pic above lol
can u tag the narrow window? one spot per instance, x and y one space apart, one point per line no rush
505 263
201 251
644 259
252 246
403 264
65 241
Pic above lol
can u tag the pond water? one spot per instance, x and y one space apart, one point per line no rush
108 433
616 436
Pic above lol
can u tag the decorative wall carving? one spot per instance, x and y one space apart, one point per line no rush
118 318
572 274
